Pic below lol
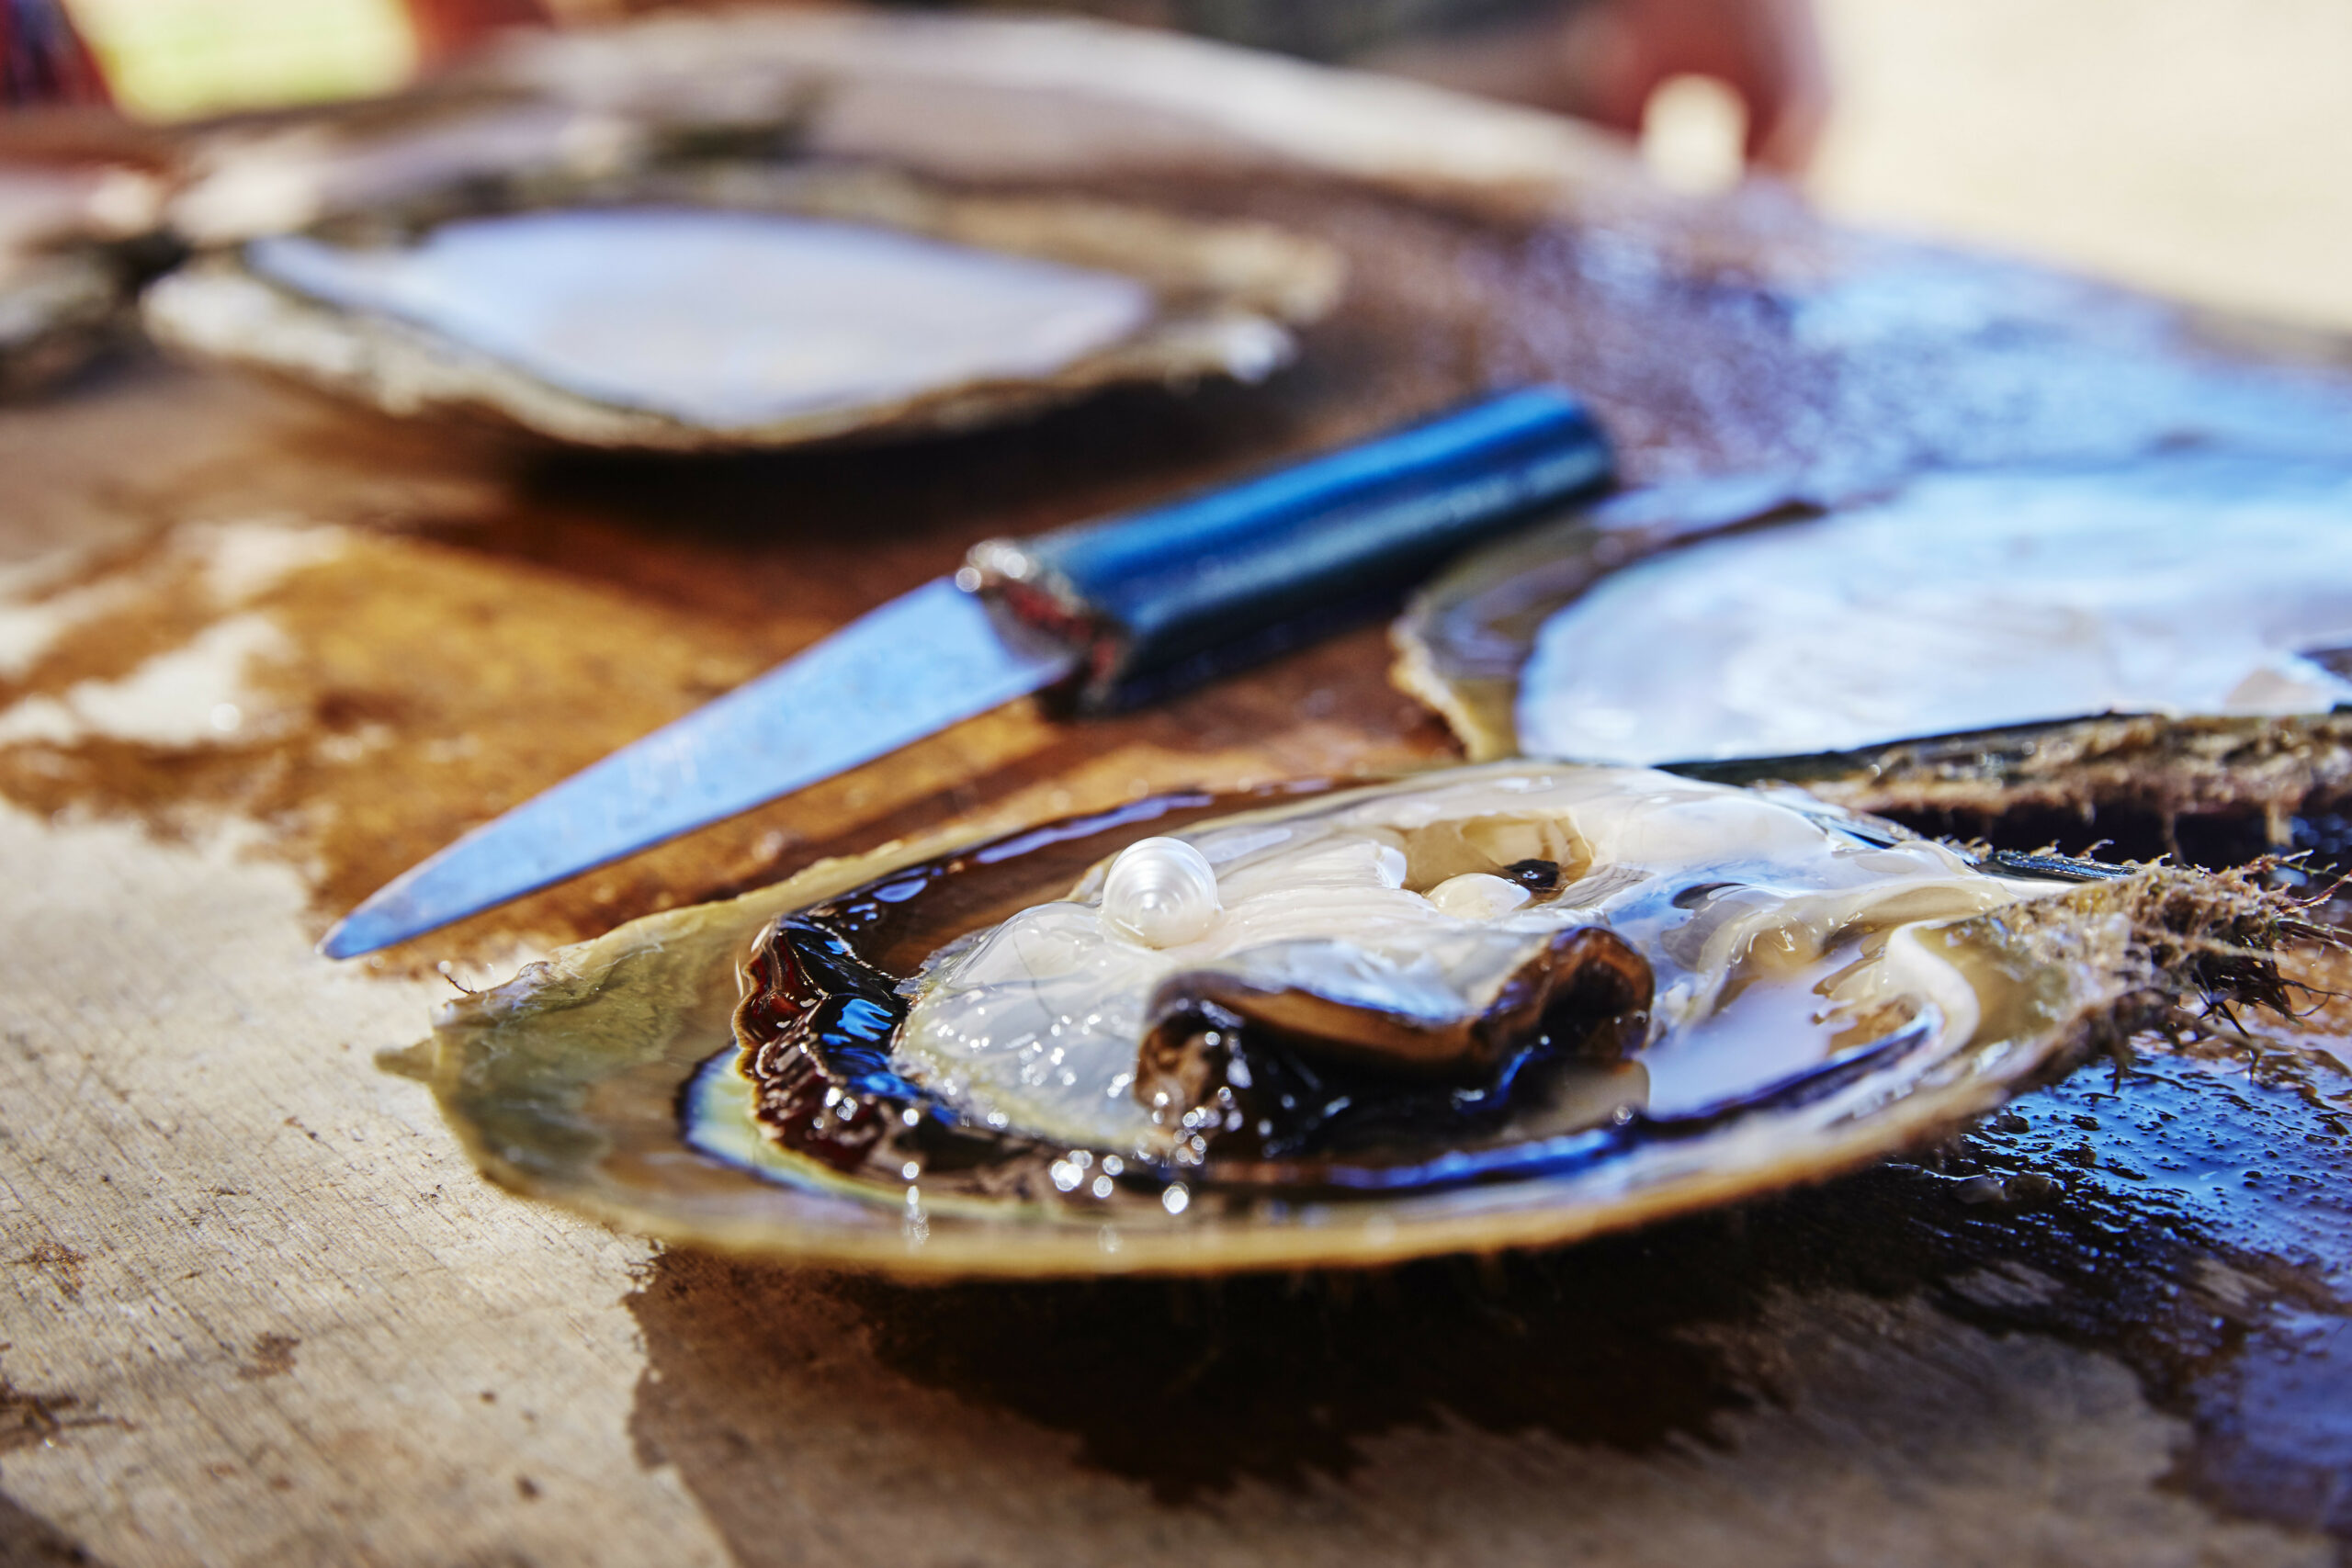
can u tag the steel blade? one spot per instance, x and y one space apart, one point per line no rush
910 668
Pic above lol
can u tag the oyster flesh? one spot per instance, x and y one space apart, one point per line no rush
1444 930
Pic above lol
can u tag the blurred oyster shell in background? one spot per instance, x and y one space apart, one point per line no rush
2106 651
56 312
2179 585
66 280
753 307
723 318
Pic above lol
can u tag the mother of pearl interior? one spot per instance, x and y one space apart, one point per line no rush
723 318
2187 584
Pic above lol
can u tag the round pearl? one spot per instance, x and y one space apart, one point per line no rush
1160 892
1474 895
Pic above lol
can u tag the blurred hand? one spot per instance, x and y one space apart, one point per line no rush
447 29
1765 51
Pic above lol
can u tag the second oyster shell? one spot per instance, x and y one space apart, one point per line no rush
752 307
2211 617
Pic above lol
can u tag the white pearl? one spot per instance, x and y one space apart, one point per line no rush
1160 892
1474 895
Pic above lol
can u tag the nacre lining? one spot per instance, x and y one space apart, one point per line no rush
724 319
1968 601
1779 933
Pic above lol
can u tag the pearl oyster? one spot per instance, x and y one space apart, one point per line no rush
1746 989
750 307
2156 640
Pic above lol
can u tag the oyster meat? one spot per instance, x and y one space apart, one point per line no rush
1440 933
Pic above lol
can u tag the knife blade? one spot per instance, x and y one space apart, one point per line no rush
1108 613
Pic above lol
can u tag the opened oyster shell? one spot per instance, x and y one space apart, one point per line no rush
1498 1006
750 307
2100 652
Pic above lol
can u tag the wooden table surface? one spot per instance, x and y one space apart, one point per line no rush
257 654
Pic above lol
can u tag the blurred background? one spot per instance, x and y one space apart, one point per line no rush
2188 146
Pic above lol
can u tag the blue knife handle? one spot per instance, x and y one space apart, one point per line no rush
1163 599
